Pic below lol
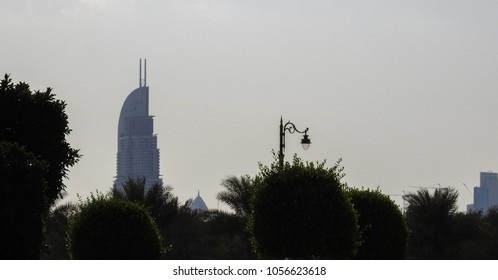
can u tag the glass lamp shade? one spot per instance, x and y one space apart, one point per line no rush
305 142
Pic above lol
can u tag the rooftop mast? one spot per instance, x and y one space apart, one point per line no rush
142 82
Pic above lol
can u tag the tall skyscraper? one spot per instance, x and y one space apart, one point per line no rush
486 195
490 181
138 155
481 199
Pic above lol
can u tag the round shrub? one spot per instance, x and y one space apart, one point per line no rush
384 232
113 229
300 211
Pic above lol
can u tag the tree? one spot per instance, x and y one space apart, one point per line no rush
175 223
301 211
382 226
37 121
237 194
221 236
133 190
56 232
36 124
430 219
472 237
106 228
490 224
475 235
22 202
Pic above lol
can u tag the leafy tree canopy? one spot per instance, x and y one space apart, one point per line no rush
37 120
300 211
382 226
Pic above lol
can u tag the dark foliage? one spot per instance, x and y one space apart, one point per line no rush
38 121
189 234
210 235
475 235
21 212
430 221
158 200
55 245
490 223
225 236
383 228
113 229
237 194
301 211
470 235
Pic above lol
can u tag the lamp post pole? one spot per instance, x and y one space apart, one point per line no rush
291 128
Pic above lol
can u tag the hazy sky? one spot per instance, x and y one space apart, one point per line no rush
404 91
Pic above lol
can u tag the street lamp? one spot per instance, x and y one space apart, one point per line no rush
291 128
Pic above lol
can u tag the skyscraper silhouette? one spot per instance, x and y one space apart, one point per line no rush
138 155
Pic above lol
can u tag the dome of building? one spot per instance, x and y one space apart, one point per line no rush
198 204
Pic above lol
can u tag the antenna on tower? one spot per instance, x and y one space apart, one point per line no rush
142 82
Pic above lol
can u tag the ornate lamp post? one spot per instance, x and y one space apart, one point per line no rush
291 128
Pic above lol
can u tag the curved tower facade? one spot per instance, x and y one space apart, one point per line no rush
138 155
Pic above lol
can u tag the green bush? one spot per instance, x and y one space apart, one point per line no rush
300 211
384 232
113 229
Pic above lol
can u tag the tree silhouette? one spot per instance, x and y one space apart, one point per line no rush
429 218
237 194
106 228
35 124
301 211
383 228
37 121
56 231
22 202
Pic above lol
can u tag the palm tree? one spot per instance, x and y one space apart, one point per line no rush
56 231
430 220
237 194
133 190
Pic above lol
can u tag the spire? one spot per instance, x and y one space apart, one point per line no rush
142 82
198 193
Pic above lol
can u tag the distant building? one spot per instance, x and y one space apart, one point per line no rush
486 195
198 204
138 155
481 199
490 181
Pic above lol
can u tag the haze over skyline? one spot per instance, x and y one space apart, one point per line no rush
403 91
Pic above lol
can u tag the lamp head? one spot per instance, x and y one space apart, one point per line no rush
305 142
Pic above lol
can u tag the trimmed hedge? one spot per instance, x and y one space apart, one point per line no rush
383 228
300 211
113 229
